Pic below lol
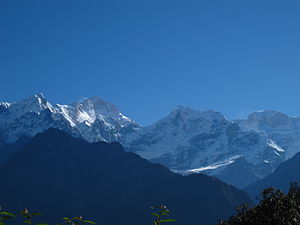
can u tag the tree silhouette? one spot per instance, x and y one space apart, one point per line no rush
274 208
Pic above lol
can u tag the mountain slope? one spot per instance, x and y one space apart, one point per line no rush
204 141
279 127
236 173
64 176
92 119
8 150
186 141
285 173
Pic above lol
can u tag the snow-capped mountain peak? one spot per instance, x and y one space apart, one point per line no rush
96 108
268 116
283 129
33 104
100 105
185 140
4 106
93 119
189 113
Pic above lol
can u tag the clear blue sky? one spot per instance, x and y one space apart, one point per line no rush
147 56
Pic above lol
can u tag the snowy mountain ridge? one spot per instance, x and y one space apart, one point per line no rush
92 119
186 140
191 141
281 128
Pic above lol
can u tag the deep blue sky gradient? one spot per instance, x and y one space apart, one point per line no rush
147 56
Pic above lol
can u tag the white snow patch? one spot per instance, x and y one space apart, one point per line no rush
273 145
211 167
6 104
84 116
64 110
124 117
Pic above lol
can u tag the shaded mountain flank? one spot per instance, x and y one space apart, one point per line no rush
281 178
60 175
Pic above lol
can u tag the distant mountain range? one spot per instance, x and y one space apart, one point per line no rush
190 141
187 141
92 119
59 175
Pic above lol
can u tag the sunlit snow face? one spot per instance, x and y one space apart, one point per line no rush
93 119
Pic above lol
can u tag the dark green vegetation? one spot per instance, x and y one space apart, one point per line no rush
27 217
274 208
64 176
162 211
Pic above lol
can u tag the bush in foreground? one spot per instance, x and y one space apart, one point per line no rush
160 213
274 208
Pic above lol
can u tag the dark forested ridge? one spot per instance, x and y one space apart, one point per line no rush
274 208
285 173
7 150
64 176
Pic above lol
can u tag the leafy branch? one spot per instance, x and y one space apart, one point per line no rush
161 211
78 220
28 218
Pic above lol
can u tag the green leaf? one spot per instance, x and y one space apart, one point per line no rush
77 218
27 221
155 214
66 220
41 224
168 220
7 214
88 221
6 217
76 222
26 215
2 223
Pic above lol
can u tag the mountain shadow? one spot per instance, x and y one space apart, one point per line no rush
285 173
60 175
240 173
9 149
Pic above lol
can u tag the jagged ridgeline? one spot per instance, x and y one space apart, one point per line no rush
59 175
239 152
92 119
